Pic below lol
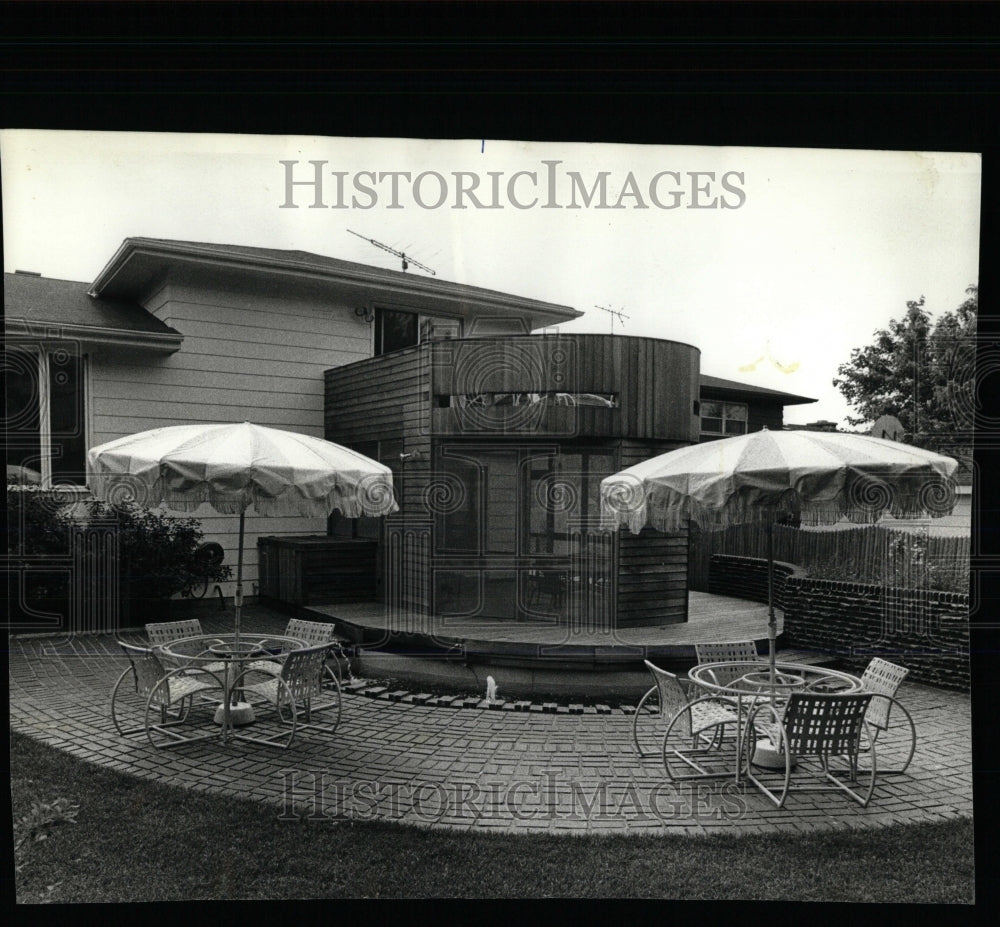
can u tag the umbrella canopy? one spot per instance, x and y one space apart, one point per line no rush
235 466
820 477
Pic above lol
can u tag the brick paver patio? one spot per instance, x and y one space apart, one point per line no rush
540 771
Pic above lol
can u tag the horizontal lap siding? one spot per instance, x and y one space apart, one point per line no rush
245 357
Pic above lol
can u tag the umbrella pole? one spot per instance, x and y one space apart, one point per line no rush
239 580
772 623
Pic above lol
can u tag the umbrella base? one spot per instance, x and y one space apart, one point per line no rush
239 714
766 757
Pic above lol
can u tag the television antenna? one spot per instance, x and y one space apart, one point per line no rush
615 314
407 261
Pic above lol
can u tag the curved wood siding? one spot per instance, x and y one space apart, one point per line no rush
654 382
414 402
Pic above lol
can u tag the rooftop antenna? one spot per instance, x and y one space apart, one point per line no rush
407 261
615 314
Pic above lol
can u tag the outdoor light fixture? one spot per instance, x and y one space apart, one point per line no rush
366 313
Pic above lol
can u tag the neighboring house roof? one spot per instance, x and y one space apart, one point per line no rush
141 263
39 307
747 391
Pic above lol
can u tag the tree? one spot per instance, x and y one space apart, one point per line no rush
922 373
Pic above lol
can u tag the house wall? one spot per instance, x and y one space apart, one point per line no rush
246 357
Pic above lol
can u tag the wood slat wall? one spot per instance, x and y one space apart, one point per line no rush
656 383
384 403
652 566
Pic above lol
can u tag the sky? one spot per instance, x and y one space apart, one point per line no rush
776 261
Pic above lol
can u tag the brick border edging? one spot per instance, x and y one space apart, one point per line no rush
374 690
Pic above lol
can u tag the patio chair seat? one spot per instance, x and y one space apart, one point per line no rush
705 715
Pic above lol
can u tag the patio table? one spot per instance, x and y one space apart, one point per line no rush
209 652
747 682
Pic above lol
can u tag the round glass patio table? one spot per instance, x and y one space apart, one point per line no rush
225 659
747 682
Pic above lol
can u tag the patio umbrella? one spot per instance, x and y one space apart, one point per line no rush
235 466
819 477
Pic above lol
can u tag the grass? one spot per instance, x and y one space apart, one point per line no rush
135 840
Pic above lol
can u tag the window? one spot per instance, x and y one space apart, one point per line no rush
44 418
723 418
395 330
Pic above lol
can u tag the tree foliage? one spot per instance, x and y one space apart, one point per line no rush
922 372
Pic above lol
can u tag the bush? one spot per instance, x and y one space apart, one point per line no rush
158 552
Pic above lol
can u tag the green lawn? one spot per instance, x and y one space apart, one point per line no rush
135 840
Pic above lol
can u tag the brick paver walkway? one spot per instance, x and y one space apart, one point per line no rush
470 767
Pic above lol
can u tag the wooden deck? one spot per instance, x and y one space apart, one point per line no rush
712 618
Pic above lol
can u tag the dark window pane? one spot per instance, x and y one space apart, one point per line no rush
736 428
713 425
456 503
394 330
66 419
21 422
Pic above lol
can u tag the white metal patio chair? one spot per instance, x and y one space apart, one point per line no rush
687 721
155 691
883 680
727 652
311 633
163 632
813 728
303 687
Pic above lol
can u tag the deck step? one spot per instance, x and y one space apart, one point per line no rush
806 657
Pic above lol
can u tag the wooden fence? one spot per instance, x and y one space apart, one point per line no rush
872 554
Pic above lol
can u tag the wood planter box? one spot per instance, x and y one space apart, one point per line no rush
316 570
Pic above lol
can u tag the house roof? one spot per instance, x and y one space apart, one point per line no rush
38 307
141 263
746 390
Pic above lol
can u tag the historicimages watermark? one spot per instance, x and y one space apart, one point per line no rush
316 797
315 185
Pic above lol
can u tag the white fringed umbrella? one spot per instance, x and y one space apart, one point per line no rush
235 466
819 477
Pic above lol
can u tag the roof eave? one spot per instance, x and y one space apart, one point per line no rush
163 343
381 283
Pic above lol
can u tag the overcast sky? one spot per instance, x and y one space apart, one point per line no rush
793 255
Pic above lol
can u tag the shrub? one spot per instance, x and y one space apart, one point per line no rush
158 552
